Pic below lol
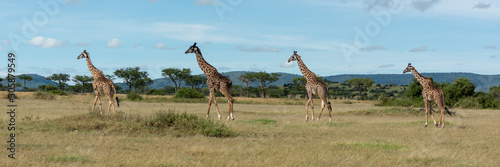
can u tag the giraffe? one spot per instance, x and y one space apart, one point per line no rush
101 84
215 82
314 87
430 93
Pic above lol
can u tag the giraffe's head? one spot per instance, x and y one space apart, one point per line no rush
294 57
193 49
84 54
409 68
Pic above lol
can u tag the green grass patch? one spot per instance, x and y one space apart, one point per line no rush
422 161
263 121
386 112
339 124
187 124
69 159
162 123
384 146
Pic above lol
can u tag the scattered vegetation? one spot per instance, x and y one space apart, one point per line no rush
44 95
189 93
162 123
134 96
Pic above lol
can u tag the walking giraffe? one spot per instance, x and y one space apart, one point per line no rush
215 82
430 93
101 84
314 87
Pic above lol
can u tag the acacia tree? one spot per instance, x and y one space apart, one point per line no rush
264 79
134 78
82 79
61 79
176 75
362 84
247 79
196 81
299 85
25 78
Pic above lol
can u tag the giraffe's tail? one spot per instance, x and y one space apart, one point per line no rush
447 111
117 101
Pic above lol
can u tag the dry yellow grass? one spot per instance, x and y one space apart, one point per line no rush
269 135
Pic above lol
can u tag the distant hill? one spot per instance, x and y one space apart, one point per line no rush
37 81
483 82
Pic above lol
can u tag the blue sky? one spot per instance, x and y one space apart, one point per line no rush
333 37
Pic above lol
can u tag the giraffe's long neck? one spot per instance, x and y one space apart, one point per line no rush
208 69
421 79
93 70
308 74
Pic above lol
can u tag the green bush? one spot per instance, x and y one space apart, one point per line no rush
44 95
49 87
156 92
188 124
189 93
134 96
58 92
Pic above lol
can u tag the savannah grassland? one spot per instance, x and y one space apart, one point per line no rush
267 132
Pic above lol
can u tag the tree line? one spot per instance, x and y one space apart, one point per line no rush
259 84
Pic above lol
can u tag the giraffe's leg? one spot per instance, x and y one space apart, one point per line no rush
100 105
95 100
216 106
307 108
111 102
329 107
312 109
323 104
230 101
209 102
441 117
426 112
430 112
226 91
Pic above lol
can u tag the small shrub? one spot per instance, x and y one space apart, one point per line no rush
58 92
189 93
188 124
134 96
44 95
49 87
155 92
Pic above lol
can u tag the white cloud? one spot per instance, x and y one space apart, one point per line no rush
370 4
286 64
138 46
6 42
1 48
161 46
204 2
114 43
423 5
490 47
373 48
419 49
481 5
387 66
257 49
45 42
